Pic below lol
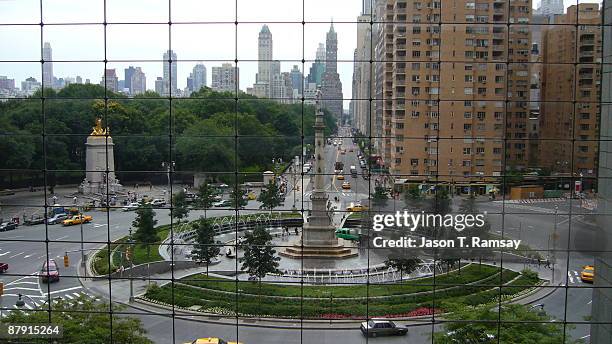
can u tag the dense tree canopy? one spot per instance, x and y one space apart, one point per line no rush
209 132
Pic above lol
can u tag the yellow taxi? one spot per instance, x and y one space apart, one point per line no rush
251 196
211 340
346 185
587 274
77 219
356 207
340 177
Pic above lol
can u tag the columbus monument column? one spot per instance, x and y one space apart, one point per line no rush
318 235
99 155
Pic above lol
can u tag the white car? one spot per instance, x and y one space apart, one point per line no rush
131 206
158 202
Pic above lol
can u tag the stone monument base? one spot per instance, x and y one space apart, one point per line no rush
297 251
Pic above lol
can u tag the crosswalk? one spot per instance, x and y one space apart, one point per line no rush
534 200
573 277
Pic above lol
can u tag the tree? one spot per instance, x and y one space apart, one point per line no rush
145 234
440 203
270 196
379 198
206 196
205 248
238 197
83 321
519 325
259 256
179 206
413 197
468 206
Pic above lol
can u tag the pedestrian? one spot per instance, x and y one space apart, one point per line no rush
24 216
296 231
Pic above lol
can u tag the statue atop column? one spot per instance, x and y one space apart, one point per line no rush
100 163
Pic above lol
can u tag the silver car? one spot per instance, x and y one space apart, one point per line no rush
376 328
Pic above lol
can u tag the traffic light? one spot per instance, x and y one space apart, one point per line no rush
1 288
66 261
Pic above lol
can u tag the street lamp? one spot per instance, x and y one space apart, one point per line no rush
82 245
130 242
170 167
554 254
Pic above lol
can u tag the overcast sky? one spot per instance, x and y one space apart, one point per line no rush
135 43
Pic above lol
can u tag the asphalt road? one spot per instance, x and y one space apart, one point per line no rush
25 249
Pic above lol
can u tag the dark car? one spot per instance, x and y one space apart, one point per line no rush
3 267
49 272
376 328
7 226
57 218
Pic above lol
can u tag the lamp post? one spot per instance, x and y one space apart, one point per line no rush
131 266
554 254
294 170
170 167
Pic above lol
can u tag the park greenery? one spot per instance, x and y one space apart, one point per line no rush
259 257
474 286
179 209
204 248
83 321
270 196
203 131
144 223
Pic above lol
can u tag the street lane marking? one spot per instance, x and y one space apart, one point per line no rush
63 237
18 254
21 288
588 303
583 337
571 278
28 306
5 253
68 296
27 282
63 290
28 256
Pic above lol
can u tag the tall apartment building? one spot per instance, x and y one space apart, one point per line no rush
317 68
197 78
265 55
297 79
110 80
170 73
362 77
6 83
138 82
159 85
550 7
225 78
449 105
571 72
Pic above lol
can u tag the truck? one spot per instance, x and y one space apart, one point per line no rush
339 167
353 171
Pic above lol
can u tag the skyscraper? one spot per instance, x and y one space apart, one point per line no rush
297 79
264 55
198 78
225 78
127 76
138 82
110 80
159 85
47 68
550 7
331 90
362 82
170 73
315 74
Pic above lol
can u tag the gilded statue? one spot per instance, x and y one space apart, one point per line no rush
98 130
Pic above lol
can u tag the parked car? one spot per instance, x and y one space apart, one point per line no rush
77 219
7 226
57 218
131 206
35 219
3 267
223 203
376 328
49 272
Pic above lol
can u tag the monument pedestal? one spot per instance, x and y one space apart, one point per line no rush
99 155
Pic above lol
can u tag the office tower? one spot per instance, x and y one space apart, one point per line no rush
47 68
297 79
159 85
264 55
362 82
561 119
446 120
550 7
197 78
79 80
331 88
601 314
6 83
110 80
315 74
170 73
138 82
128 72
225 78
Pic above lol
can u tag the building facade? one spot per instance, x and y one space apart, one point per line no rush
362 77
265 55
110 80
570 107
459 120
138 82
225 78
47 67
